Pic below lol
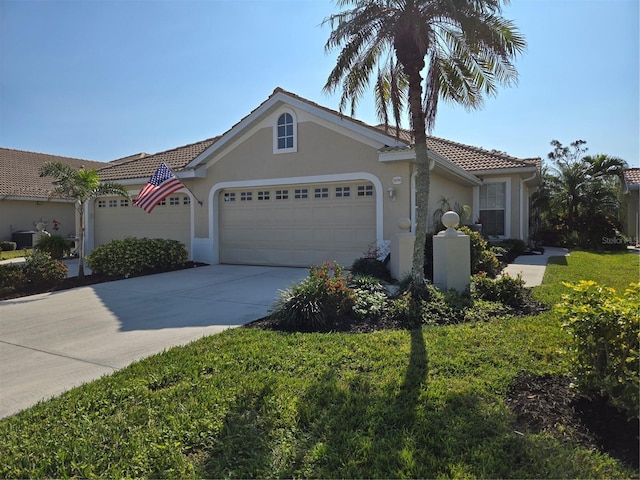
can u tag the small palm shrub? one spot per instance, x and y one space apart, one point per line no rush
322 297
133 256
55 245
605 332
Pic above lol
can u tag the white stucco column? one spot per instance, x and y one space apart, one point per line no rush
401 260
451 256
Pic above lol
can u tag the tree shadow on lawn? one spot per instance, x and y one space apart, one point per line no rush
344 430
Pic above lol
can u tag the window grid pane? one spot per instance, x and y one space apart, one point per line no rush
285 131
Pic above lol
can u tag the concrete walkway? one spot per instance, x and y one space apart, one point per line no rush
532 267
52 342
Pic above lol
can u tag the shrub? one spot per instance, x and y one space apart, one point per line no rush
41 271
320 298
483 258
605 331
370 267
11 278
506 290
370 297
132 256
55 245
8 246
407 310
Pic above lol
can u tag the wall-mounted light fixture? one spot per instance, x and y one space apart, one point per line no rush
392 193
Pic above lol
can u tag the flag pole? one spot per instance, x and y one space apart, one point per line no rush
187 188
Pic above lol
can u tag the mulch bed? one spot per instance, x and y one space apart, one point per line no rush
344 325
551 404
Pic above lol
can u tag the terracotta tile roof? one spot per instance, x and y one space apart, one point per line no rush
19 172
632 178
130 157
469 158
137 166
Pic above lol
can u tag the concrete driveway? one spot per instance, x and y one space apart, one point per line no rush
50 343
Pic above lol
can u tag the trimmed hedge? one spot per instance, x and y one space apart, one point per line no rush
8 246
133 256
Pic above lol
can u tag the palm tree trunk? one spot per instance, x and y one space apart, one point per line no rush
81 246
422 177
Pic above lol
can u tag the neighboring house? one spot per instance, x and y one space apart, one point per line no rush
632 183
26 199
295 184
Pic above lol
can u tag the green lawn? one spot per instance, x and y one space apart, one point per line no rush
249 403
6 255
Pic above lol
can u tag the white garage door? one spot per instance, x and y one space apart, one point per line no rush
117 218
297 225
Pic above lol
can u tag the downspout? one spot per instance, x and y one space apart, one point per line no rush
522 182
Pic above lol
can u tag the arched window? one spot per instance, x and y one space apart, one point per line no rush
285 134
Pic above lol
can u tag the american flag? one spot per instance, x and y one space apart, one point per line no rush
161 184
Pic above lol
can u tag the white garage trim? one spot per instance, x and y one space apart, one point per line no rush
341 177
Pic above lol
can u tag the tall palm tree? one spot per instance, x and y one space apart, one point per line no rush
79 185
463 47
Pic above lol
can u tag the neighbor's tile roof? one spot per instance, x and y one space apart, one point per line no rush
143 166
19 172
632 177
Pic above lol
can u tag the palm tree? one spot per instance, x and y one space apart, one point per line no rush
583 192
464 47
79 185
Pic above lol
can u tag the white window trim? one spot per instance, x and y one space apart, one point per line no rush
276 150
507 200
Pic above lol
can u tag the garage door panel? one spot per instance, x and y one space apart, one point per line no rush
297 231
322 215
343 215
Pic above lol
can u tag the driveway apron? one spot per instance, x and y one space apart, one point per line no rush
52 342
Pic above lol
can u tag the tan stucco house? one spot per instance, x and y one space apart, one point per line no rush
294 183
26 199
632 199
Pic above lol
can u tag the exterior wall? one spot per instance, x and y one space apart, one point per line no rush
633 216
165 221
25 214
442 187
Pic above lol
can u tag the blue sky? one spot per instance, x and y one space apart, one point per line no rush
103 79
